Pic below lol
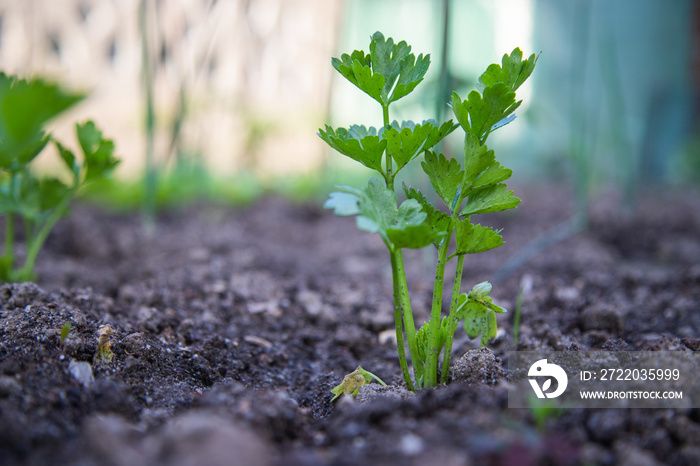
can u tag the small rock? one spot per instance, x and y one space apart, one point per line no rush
387 336
377 317
148 318
270 307
258 341
566 293
602 317
311 302
82 371
410 444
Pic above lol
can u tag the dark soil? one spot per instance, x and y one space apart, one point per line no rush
232 326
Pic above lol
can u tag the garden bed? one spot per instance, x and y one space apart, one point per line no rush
231 327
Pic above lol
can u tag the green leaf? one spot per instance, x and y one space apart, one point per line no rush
411 229
343 203
406 141
461 111
413 236
513 71
490 329
356 68
401 70
69 159
479 319
98 151
446 176
389 72
438 221
386 59
497 102
489 199
473 316
412 73
52 193
25 107
378 208
359 143
422 341
481 165
472 239
439 133
401 227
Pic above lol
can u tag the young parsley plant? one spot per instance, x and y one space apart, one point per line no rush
476 186
25 108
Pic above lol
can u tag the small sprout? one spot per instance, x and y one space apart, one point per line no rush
104 354
353 381
481 290
65 330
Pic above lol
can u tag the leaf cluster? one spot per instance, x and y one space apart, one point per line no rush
390 148
387 73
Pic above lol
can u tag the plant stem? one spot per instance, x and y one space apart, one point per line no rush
9 240
399 327
452 324
402 297
433 352
516 321
36 241
9 256
389 165
402 301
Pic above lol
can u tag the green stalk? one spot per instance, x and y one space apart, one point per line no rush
452 323
9 256
35 242
433 352
389 165
399 327
404 301
9 240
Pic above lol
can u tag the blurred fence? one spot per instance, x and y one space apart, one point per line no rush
238 82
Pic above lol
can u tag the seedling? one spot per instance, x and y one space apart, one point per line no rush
25 107
516 320
352 383
388 73
104 353
65 331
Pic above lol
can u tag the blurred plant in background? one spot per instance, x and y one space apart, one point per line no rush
40 202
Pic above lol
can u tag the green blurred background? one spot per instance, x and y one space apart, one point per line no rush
238 88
